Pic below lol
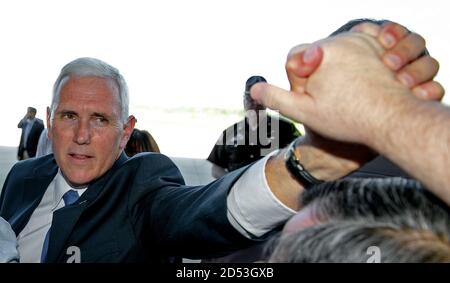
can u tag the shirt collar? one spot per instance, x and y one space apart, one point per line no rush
61 187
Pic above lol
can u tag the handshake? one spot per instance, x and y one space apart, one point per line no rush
367 90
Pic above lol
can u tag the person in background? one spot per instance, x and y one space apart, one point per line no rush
31 130
140 141
255 136
44 146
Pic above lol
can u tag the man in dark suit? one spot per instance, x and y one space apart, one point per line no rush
88 202
31 131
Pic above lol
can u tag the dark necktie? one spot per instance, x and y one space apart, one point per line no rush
69 197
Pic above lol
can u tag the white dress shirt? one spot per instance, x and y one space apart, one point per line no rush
31 238
253 209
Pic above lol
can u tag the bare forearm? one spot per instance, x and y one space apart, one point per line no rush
321 160
417 138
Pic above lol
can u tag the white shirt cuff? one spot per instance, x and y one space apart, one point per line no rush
253 209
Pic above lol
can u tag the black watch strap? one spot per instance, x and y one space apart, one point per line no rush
296 168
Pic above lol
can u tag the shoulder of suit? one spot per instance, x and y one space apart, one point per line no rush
31 166
149 158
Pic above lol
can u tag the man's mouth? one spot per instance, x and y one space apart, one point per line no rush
80 156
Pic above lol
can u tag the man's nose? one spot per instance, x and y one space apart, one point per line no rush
83 133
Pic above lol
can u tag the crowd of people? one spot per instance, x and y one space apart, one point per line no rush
362 94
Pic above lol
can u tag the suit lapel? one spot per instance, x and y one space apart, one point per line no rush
65 219
33 190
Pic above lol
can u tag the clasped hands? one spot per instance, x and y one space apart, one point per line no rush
343 90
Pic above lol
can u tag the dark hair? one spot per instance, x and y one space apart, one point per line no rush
356 241
140 141
398 216
380 199
349 25
252 81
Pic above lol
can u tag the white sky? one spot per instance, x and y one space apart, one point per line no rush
179 53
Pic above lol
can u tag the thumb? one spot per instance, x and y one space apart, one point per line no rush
291 104
303 60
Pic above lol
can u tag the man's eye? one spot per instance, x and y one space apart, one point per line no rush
100 121
68 116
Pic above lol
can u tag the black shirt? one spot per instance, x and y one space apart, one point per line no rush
239 145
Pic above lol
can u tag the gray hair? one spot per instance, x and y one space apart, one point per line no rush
377 199
353 241
87 67
400 217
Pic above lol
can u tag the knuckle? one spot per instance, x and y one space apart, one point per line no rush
418 38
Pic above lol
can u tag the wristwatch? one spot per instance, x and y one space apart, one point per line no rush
297 170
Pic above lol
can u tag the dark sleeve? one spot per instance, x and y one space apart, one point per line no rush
4 192
34 138
21 122
288 132
177 220
218 154
379 167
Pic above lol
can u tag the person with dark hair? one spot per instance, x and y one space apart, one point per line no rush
341 220
31 131
140 141
255 136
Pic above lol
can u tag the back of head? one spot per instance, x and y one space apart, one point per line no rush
363 241
91 67
140 141
380 199
349 25
396 215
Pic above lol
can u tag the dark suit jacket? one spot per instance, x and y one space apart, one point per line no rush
33 139
139 211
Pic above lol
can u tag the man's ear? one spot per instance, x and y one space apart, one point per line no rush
127 130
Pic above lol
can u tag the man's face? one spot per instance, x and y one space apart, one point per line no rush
87 132
30 113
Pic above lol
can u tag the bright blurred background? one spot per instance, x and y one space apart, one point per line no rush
185 62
